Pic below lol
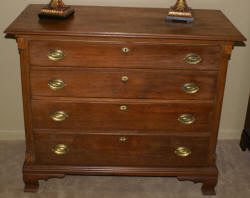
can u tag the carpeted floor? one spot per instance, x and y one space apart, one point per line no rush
234 179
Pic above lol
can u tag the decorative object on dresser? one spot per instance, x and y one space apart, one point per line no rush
102 99
180 12
245 136
56 9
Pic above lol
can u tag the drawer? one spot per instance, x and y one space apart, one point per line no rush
122 115
135 55
91 83
120 150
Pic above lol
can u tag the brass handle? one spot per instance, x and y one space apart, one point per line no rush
55 55
124 79
182 151
60 149
190 88
56 84
125 50
186 119
192 59
59 116
123 108
123 139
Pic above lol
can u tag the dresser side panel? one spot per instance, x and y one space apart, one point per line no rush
26 94
225 55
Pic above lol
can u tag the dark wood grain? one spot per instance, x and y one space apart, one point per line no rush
141 84
127 22
26 95
138 150
227 49
104 54
33 173
108 116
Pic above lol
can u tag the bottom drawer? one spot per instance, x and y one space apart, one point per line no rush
120 150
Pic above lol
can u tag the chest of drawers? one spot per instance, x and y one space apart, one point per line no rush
120 91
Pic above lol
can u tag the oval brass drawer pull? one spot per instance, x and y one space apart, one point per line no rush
60 149
56 84
124 79
55 54
59 116
123 139
192 59
182 151
186 119
190 88
125 50
123 108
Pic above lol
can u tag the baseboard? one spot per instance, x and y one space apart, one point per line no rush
12 135
20 135
228 134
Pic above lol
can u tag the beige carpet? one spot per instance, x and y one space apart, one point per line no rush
234 179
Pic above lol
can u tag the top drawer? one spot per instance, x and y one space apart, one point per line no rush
124 55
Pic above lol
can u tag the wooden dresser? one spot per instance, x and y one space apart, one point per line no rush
121 91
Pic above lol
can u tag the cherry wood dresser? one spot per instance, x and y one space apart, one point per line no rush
121 91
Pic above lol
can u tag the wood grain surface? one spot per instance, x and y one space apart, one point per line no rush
105 116
93 67
126 22
104 149
141 84
108 54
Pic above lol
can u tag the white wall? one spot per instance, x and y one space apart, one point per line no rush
237 86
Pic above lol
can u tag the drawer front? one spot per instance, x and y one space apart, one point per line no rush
122 55
138 84
120 150
122 116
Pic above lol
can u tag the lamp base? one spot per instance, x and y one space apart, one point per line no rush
183 19
180 12
59 13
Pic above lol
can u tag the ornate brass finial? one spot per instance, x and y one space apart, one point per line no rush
180 5
180 12
56 9
56 4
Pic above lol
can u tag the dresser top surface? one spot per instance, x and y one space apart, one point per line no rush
126 22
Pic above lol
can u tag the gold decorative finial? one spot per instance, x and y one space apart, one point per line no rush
180 5
56 4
